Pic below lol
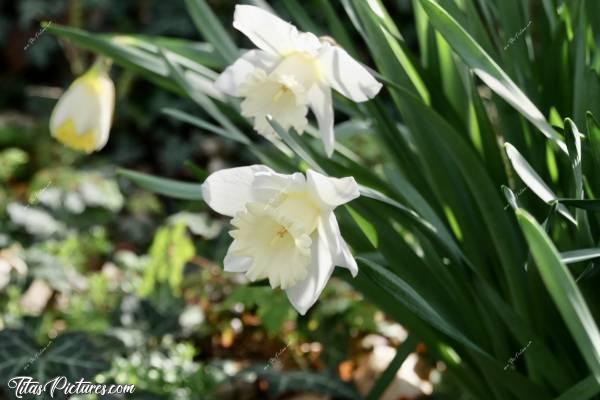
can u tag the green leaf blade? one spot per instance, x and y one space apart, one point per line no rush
167 187
564 292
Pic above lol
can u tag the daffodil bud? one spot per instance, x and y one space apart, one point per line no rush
82 117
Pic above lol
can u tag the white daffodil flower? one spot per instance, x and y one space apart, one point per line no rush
82 117
284 227
291 72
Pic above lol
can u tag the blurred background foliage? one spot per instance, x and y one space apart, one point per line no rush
95 271
104 280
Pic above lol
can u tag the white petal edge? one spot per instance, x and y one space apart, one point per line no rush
227 191
346 75
331 192
270 33
233 263
267 185
107 107
305 294
321 105
229 81
339 248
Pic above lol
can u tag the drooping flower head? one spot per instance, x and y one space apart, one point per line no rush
291 72
284 227
82 117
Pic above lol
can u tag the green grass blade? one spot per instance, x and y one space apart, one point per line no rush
200 52
573 138
209 25
405 294
201 98
293 141
122 51
487 69
564 292
202 124
533 180
409 298
365 226
167 187
388 375
574 256
390 54
593 139
337 27
592 205
583 390
304 21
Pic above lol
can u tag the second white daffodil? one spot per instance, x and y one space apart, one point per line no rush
291 72
284 227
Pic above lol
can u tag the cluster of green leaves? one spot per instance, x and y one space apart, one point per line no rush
439 249
74 355
69 283
163 371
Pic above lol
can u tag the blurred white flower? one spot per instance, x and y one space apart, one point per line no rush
284 227
198 223
35 221
50 197
4 240
36 297
73 203
82 117
10 260
98 191
4 274
191 318
291 72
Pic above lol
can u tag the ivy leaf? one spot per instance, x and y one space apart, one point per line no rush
74 355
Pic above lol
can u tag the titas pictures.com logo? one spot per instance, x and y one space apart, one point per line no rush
27 386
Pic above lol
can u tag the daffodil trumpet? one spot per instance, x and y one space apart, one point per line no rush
284 227
290 73
82 116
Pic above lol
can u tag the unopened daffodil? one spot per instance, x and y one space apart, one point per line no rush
289 73
284 227
82 117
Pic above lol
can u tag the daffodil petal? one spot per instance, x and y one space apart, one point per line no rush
267 186
67 135
237 73
331 192
233 263
346 75
322 106
270 33
227 191
304 294
107 107
77 103
339 248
